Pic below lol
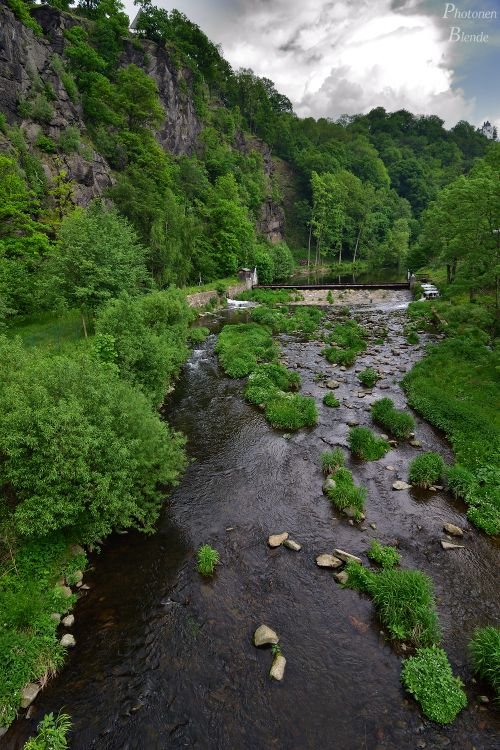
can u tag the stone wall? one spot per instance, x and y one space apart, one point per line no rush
200 299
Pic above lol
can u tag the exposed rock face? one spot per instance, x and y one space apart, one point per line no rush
26 59
181 128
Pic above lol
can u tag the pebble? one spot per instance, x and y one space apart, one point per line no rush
68 641
264 636
341 577
399 485
29 693
275 540
450 528
328 561
278 667
450 545
291 544
345 556
68 621
390 468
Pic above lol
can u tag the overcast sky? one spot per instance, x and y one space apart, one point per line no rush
348 56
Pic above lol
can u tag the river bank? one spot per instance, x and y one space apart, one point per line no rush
165 659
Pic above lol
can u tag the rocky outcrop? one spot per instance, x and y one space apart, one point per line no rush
181 127
26 68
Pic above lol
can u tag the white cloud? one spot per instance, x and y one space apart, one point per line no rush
336 57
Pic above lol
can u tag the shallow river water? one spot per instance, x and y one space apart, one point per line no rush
165 659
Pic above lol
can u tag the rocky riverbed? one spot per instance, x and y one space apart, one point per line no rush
165 659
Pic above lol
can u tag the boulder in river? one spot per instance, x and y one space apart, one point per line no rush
346 556
68 640
264 636
291 544
332 384
68 621
399 485
450 528
328 484
450 545
328 561
278 667
275 540
29 693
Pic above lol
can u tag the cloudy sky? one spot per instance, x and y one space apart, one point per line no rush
347 56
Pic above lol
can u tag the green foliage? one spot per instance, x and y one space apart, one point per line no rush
386 556
207 560
359 577
96 452
291 411
98 257
280 320
346 495
398 423
368 377
267 296
148 339
332 460
345 341
198 334
454 388
429 678
241 347
330 400
484 649
412 338
426 469
46 144
461 482
268 380
365 445
52 733
21 11
69 140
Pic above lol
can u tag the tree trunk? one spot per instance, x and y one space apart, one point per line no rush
84 326
448 273
357 244
309 247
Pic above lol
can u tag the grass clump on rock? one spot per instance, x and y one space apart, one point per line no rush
330 400
426 470
332 460
404 600
484 649
207 560
398 423
386 556
291 411
242 347
345 495
429 678
366 445
344 343
368 377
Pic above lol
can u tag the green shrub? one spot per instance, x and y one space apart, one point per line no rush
405 602
97 452
52 733
347 495
366 445
426 469
207 560
429 678
484 649
20 10
46 144
69 140
345 341
332 460
368 377
461 482
291 411
330 400
412 338
398 423
241 347
386 556
198 334
41 109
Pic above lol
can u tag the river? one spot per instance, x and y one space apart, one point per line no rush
165 659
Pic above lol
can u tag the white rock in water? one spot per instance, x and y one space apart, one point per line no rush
328 484
332 384
328 561
264 636
345 556
68 641
68 621
291 544
453 530
278 668
450 545
29 693
276 539
399 485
